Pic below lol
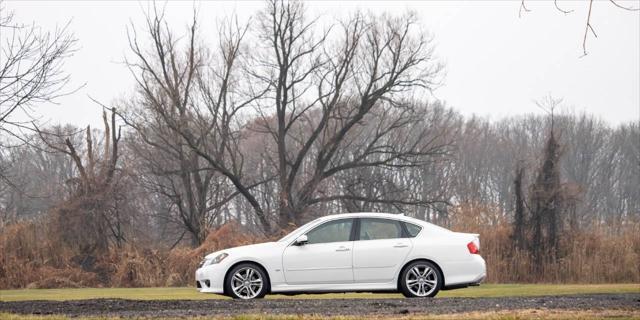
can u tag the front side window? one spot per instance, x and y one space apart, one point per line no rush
332 231
375 229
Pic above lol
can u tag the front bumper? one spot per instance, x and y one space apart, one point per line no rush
210 279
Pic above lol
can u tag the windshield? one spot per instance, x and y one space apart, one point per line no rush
290 235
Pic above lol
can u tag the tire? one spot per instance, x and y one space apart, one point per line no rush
420 279
246 281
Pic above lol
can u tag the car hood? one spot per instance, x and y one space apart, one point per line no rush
242 249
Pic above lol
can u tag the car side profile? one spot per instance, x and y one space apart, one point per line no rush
355 252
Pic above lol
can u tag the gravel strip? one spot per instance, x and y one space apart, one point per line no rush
328 307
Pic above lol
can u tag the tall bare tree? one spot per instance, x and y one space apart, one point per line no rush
340 90
31 71
327 95
194 104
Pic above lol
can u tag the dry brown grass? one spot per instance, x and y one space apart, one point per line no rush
32 258
602 254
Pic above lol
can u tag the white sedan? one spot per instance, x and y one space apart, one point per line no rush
363 252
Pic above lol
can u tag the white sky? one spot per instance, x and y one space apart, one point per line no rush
496 62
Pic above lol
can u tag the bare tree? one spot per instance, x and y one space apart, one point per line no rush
31 63
92 216
330 87
358 78
194 103
173 171
398 186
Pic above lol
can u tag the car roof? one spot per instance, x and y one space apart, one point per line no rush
397 216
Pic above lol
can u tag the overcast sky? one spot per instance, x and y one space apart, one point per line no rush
496 62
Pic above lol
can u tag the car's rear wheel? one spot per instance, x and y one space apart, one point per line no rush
246 281
420 279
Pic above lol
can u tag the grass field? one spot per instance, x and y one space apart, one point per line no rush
509 315
487 290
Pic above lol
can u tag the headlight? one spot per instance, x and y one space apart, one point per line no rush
215 260
219 258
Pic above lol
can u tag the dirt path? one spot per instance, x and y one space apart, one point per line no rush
177 308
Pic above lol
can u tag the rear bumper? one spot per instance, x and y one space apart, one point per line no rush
465 273
476 282
480 268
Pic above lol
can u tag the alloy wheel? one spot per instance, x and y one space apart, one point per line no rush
247 283
421 280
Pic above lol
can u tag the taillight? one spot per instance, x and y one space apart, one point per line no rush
473 248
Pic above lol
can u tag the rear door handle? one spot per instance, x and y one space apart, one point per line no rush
401 245
342 249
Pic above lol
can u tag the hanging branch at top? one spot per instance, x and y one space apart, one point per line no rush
586 30
522 7
31 63
555 3
588 26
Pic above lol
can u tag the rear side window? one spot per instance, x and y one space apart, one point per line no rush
412 229
375 229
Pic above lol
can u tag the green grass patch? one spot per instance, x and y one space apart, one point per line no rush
487 290
499 315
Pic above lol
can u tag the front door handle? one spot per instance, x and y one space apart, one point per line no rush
342 249
401 245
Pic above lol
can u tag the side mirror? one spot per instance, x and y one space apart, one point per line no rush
302 240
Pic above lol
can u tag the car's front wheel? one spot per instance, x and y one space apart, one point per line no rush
420 279
246 281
